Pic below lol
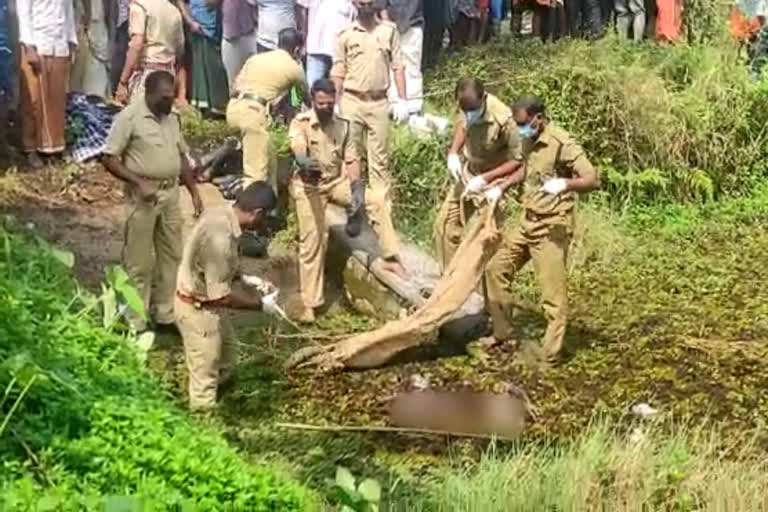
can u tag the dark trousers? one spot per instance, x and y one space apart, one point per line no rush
584 18
119 52
435 21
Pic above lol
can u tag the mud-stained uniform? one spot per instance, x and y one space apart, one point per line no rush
363 60
330 146
208 267
152 147
490 142
542 235
263 80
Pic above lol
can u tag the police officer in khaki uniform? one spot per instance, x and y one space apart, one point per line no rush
487 137
204 290
264 79
556 169
328 169
146 150
366 52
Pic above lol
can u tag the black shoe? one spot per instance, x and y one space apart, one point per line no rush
167 329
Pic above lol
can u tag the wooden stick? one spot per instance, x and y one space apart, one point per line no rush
381 428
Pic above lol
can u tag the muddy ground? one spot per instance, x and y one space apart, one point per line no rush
662 312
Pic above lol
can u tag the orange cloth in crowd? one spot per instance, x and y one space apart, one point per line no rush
668 20
740 27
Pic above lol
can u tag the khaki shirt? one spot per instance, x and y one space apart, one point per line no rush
492 141
269 75
159 21
553 155
364 59
329 146
210 259
149 146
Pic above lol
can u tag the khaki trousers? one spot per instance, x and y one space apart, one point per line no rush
152 249
449 225
259 156
210 347
311 202
370 121
547 245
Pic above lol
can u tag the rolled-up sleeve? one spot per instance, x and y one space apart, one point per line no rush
396 50
339 68
137 19
573 158
119 134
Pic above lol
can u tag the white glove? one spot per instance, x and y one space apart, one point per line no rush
454 166
493 194
476 184
269 304
254 281
400 111
555 186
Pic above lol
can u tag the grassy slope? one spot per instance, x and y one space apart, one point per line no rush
92 421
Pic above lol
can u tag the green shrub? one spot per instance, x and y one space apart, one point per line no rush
662 122
82 418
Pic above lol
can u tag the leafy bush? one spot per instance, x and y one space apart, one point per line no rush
81 417
662 122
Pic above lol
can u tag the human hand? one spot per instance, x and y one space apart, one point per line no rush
197 204
454 166
400 111
269 304
476 184
555 186
195 27
33 59
493 194
121 94
147 191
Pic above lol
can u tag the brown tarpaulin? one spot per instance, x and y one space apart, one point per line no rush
375 348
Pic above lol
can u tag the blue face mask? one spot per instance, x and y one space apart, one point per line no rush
473 116
526 131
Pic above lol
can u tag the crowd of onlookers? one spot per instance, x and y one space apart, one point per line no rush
107 47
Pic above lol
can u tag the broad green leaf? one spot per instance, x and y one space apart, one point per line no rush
370 490
66 258
109 303
347 508
122 504
48 503
344 479
145 340
132 298
117 276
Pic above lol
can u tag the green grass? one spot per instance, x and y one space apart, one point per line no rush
83 419
605 468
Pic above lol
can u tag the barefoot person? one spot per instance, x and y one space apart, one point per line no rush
204 292
147 151
556 170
